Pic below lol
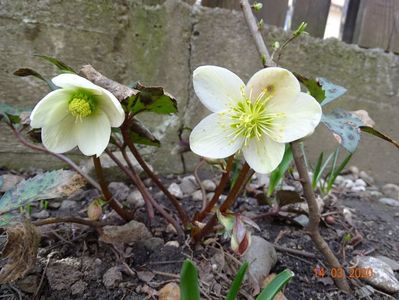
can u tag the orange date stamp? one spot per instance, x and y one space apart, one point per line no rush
354 272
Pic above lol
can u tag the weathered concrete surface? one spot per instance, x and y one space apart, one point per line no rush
162 45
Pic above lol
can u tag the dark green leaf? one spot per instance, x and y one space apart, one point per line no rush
189 289
375 132
332 91
236 284
10 113
314 87
29 72
141 135
59 64
152 99
278 282
345 127
278 173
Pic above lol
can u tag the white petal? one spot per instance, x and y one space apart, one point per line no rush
108 103
212 138
280 84
56 102
302 115
68 80
59 137
93 134
263 155
217 87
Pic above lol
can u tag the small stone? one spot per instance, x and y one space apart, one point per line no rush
360 182
119 190
389 201
112 277
43 214
383 276
175 190
170 291
153 244
375 194
392 263
54 204
391 190
357 189
171 229
173 244
209 185
197 196
188 185
9 181
68 204
129 233
366 177
262 256
396 214
78 287
302 220
287 187
135 199
348 183
339 180
355 171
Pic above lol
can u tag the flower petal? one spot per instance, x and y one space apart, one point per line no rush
217 87
56 102
302 115
263 155
212 138
59 137
93 134
111 107
68 81
278 82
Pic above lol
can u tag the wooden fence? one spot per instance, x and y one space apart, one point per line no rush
368 23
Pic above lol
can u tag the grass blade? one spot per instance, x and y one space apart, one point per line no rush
189 289
269 292
278 173
235 286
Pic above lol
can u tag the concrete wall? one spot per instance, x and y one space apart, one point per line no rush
162 45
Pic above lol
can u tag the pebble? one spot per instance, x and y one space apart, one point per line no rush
68 204
112 277
209 185
54 204
197 196
356 189
360 182
375 194
119 190
173 244
392 263
262 179
175 190
170 291
389 201
128 233
366 177
262 256
43 214
188 185
391 190
383 276
135 199
355 171
348 183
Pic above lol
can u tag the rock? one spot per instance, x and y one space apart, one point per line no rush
392 263
339 180
9 181
383 277
375 194
43 214
135 199
197 196
366 177
173 244
63 273
54 204
357 189
391 190
153 244
360 182
112 277
170 291
119 190
396 214
188 185
348 183
209 185
175 190
389 201
302 220
170 229
355 171
78 287
28 284
262 256
129 233
68 204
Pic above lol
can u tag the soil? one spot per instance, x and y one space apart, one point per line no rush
73 263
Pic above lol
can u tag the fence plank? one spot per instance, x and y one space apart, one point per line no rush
229 4
273 12
350 21
314 13
377 24
394 43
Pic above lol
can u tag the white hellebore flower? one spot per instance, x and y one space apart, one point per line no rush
80 113
257 118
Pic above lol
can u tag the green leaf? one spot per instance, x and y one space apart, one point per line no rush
332 91
377 133
319 169
10 114
314 87
48 185
236 284
269 292
59 64
335 172
152 99
345 127
189 289
278 173
29 72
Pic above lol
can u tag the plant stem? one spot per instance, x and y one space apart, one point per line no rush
235 191
314 215
219 190
143 190
48 221
127 216
180 210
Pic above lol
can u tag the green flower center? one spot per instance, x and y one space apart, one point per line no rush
81 105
